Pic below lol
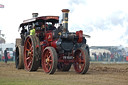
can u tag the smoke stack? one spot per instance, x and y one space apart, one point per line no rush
65 19
34 15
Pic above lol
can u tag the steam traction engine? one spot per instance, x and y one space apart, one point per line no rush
51 48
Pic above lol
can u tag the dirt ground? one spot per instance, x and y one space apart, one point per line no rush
98 74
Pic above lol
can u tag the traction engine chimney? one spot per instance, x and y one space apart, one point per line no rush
34 15
65 20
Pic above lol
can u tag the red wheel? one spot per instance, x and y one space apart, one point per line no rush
31 53
49 60
81 63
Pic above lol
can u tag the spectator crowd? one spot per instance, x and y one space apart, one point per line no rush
111 57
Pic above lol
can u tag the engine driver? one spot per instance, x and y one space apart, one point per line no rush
32 31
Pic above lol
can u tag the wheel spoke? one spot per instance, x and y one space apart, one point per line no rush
50 61
80 56
77 65
31 55
81 65
27 58
46 66
27 49
47 52
50 55
29 64
31 48
47 56
50 66
29 43
82 61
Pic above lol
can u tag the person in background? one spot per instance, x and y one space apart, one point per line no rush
104 55
14 55
95 56
112 57
126 57
100 57
108 57
51 26
116 56
5 55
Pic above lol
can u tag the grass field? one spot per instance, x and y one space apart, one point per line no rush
98 74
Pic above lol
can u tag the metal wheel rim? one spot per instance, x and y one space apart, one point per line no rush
28 53
47 61
79 61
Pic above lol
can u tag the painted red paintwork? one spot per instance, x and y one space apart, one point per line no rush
80 35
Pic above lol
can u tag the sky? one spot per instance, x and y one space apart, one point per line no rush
106 21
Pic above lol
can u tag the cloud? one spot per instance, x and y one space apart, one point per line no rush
105 20
77 2
117 17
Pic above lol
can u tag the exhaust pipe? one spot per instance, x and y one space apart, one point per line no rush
34 15
65 20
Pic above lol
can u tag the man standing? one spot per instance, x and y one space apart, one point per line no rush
22 34
14 55
5 55
32 31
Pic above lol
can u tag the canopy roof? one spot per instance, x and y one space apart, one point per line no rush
54 19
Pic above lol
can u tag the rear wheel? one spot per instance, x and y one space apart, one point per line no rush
31 53
19 57
81 64
49 60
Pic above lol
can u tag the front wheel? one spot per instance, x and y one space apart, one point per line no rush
49 60
81 64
